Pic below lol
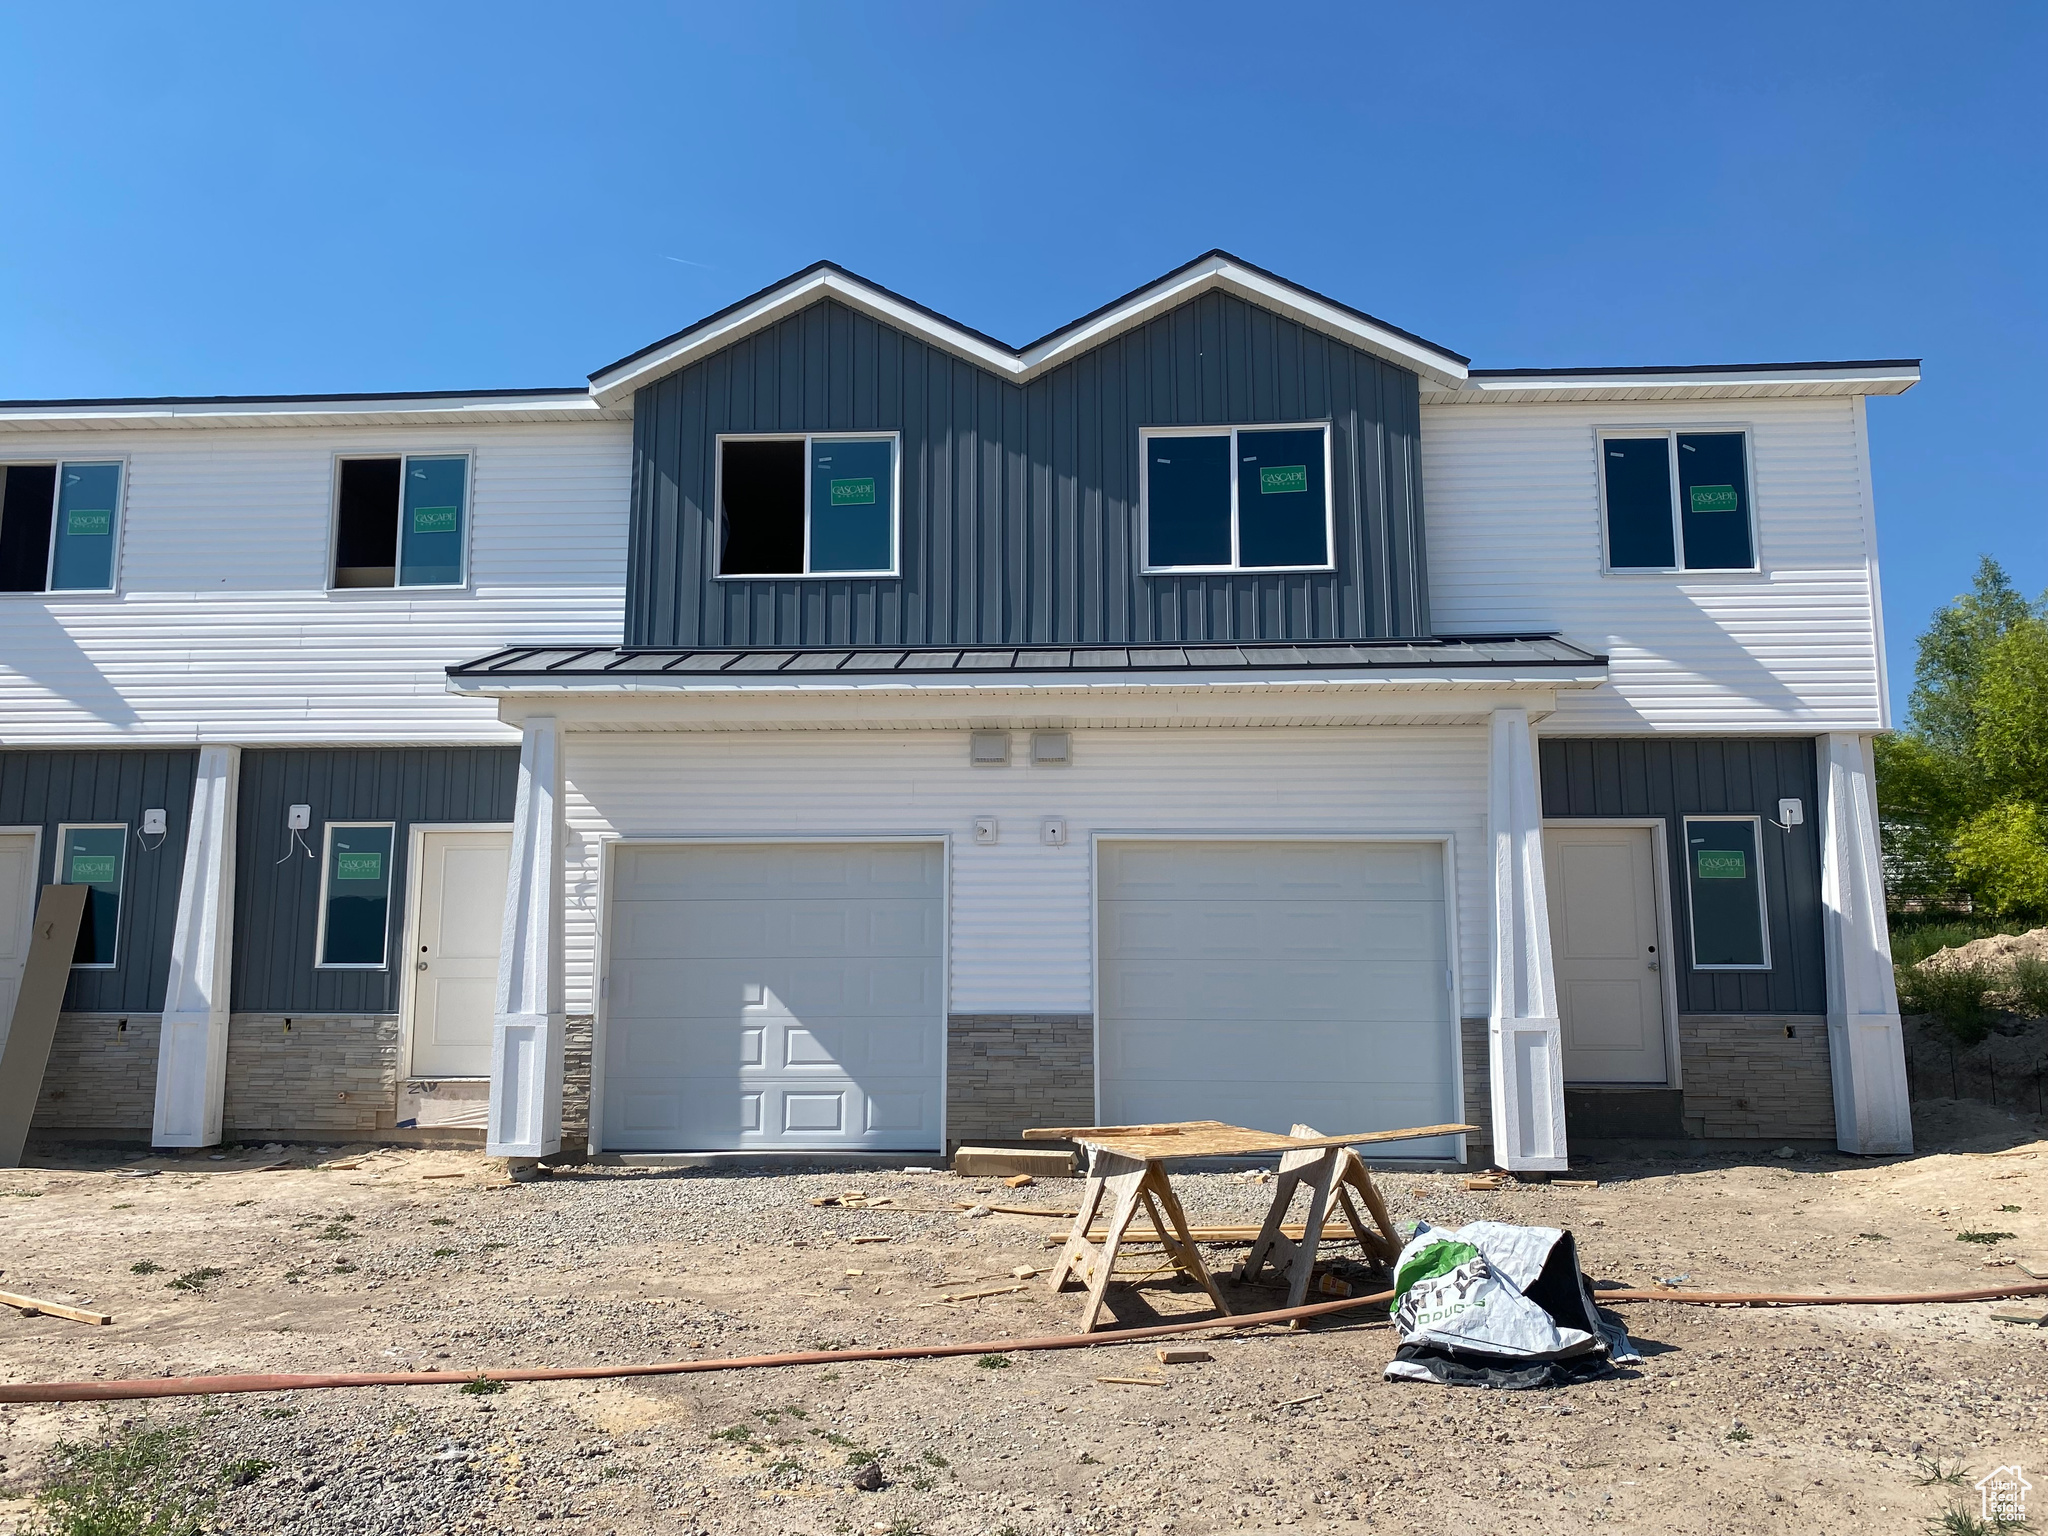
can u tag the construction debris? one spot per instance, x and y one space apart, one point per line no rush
1183 1356
1019 1180
2033 1317
1003 1162
32 1306
1132 1381
1480 1183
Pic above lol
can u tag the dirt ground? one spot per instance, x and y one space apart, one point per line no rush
1820 1421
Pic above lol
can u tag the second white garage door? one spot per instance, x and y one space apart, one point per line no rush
1265 983
775 996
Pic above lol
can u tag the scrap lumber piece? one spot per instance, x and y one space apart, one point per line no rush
29 1306
1186 1355
1008 1162
25 1048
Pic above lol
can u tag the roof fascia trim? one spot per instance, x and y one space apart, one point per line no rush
613 384
296 409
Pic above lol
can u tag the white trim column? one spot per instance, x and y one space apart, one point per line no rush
1866 1044
530 1022
192 1050
1524 1035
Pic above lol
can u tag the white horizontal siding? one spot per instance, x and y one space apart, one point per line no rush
223 626
1021 914
1513 508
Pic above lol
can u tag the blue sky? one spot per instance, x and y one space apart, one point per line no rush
273 199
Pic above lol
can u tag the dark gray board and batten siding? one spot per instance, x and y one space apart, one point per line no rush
1019 503
1675 777
277 887
47 789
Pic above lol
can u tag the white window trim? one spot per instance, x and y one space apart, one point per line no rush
895 442
1235 568
403 455
390 887
60 870
1763 906
1671 435
117 533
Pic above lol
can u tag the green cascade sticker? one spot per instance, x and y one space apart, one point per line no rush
1713 498
433 519
359 866
88 522
1437 1259
1282 478
1722 864
92 868
854 493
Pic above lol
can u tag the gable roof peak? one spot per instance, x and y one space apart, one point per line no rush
1212 270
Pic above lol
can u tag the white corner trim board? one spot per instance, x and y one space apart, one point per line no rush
529 1020
192 1051
1866 1042
1524 1033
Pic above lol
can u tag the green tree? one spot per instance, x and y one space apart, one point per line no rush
1963 790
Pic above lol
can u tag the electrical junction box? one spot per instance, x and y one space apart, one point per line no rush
155 824
298 818
1053 831
985 829
1791 813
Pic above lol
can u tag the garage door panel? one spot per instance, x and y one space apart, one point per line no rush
1351 930
709 928
1202 871
1413 1053
772 995
776 871
1267 983
786 989
1257 989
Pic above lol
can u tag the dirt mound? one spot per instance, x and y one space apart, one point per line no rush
1970 1125
1995 953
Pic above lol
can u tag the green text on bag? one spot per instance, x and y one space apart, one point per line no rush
1282 478
1437 1259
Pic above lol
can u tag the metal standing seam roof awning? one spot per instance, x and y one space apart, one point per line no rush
1536 658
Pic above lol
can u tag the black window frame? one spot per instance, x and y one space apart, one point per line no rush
809 440
117 522
1675 480
1755 822
1148 435
465 516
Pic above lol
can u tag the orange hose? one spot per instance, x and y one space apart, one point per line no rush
200 1386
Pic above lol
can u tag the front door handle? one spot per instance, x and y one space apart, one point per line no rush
1652 965
423 966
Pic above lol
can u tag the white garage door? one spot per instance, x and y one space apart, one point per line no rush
1264 983
774 996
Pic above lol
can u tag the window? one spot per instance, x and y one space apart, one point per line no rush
1236 498
807 506
355 894
1724 880
399 522
95 855
59 526
1702 525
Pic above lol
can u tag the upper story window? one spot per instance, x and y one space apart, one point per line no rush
402 521
59 526
1677 501
1236 498
807 506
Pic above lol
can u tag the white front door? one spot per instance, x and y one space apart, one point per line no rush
1264 983
775 995
460 921
1604 947
17 917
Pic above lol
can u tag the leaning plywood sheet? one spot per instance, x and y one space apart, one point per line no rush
26 1050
